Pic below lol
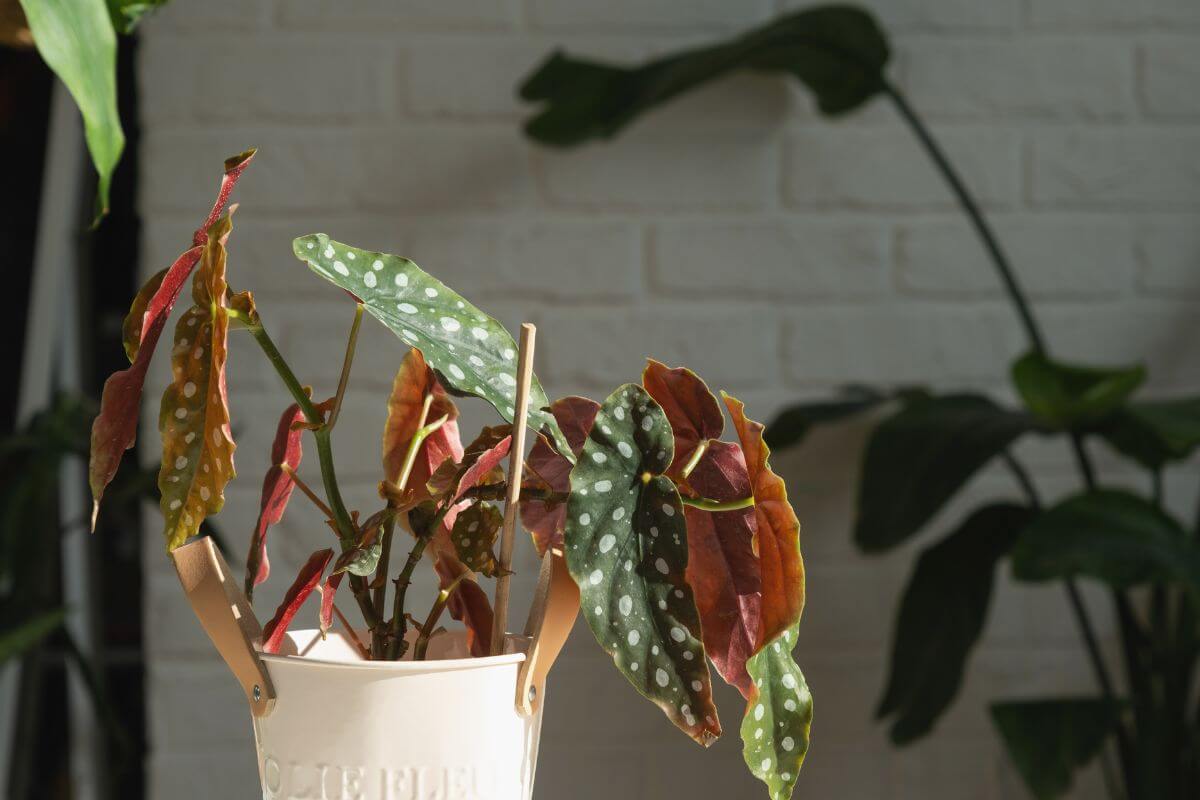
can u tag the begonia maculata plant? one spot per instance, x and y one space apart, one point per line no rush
684 547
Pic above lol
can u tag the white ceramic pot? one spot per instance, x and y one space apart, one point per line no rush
441 729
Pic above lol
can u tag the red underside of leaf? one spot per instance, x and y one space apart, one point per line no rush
487 461
115 428
328 590
545 521
469 604
301 588
777 536
690 407
722 568
276 491
414 380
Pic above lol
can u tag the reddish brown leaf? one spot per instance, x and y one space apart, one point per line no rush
549 470
115 428
722 567
198 444
777 535
469 604
131 329
691 409
480 458
276 491
328 589
414 381
297 593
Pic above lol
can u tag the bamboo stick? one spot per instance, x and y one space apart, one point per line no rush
516 464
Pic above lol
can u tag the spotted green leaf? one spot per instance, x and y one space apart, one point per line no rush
474 537
198 445
778 717
627 549
473 353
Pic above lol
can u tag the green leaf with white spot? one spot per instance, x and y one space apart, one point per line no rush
472 352
626 547
778 717
474 537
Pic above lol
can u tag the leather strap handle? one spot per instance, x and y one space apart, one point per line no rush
551 617
227 618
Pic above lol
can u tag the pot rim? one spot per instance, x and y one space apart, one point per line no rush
431 665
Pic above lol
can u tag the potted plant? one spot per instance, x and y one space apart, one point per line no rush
681 548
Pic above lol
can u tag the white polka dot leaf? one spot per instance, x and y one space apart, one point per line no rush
778 716
194 415
723 567
473 354
627 550
115 428
474 537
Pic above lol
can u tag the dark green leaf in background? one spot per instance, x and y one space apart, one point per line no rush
23 636
1111 535
126 14
1049 739
919 457
942 616
1066 395
838 52
792 425
77 41
1155 432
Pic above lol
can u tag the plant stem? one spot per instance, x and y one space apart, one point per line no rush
347 361
379 586
435 614
705 504
307 491
1007 276
1073 594
398 625
341 517
697 454
1024 311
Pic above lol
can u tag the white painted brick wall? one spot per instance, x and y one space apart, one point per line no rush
779 254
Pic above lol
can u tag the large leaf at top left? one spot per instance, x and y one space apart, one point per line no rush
115 428
77 40
198 445
472 352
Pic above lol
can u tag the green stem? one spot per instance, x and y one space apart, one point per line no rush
990 243
347 361
435 614
341 516
1025 313
704 504
379 590
398 626
697 454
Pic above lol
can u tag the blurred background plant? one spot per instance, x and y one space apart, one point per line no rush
78 41
71 662
927 446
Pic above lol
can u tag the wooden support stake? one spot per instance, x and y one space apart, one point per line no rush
516 465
